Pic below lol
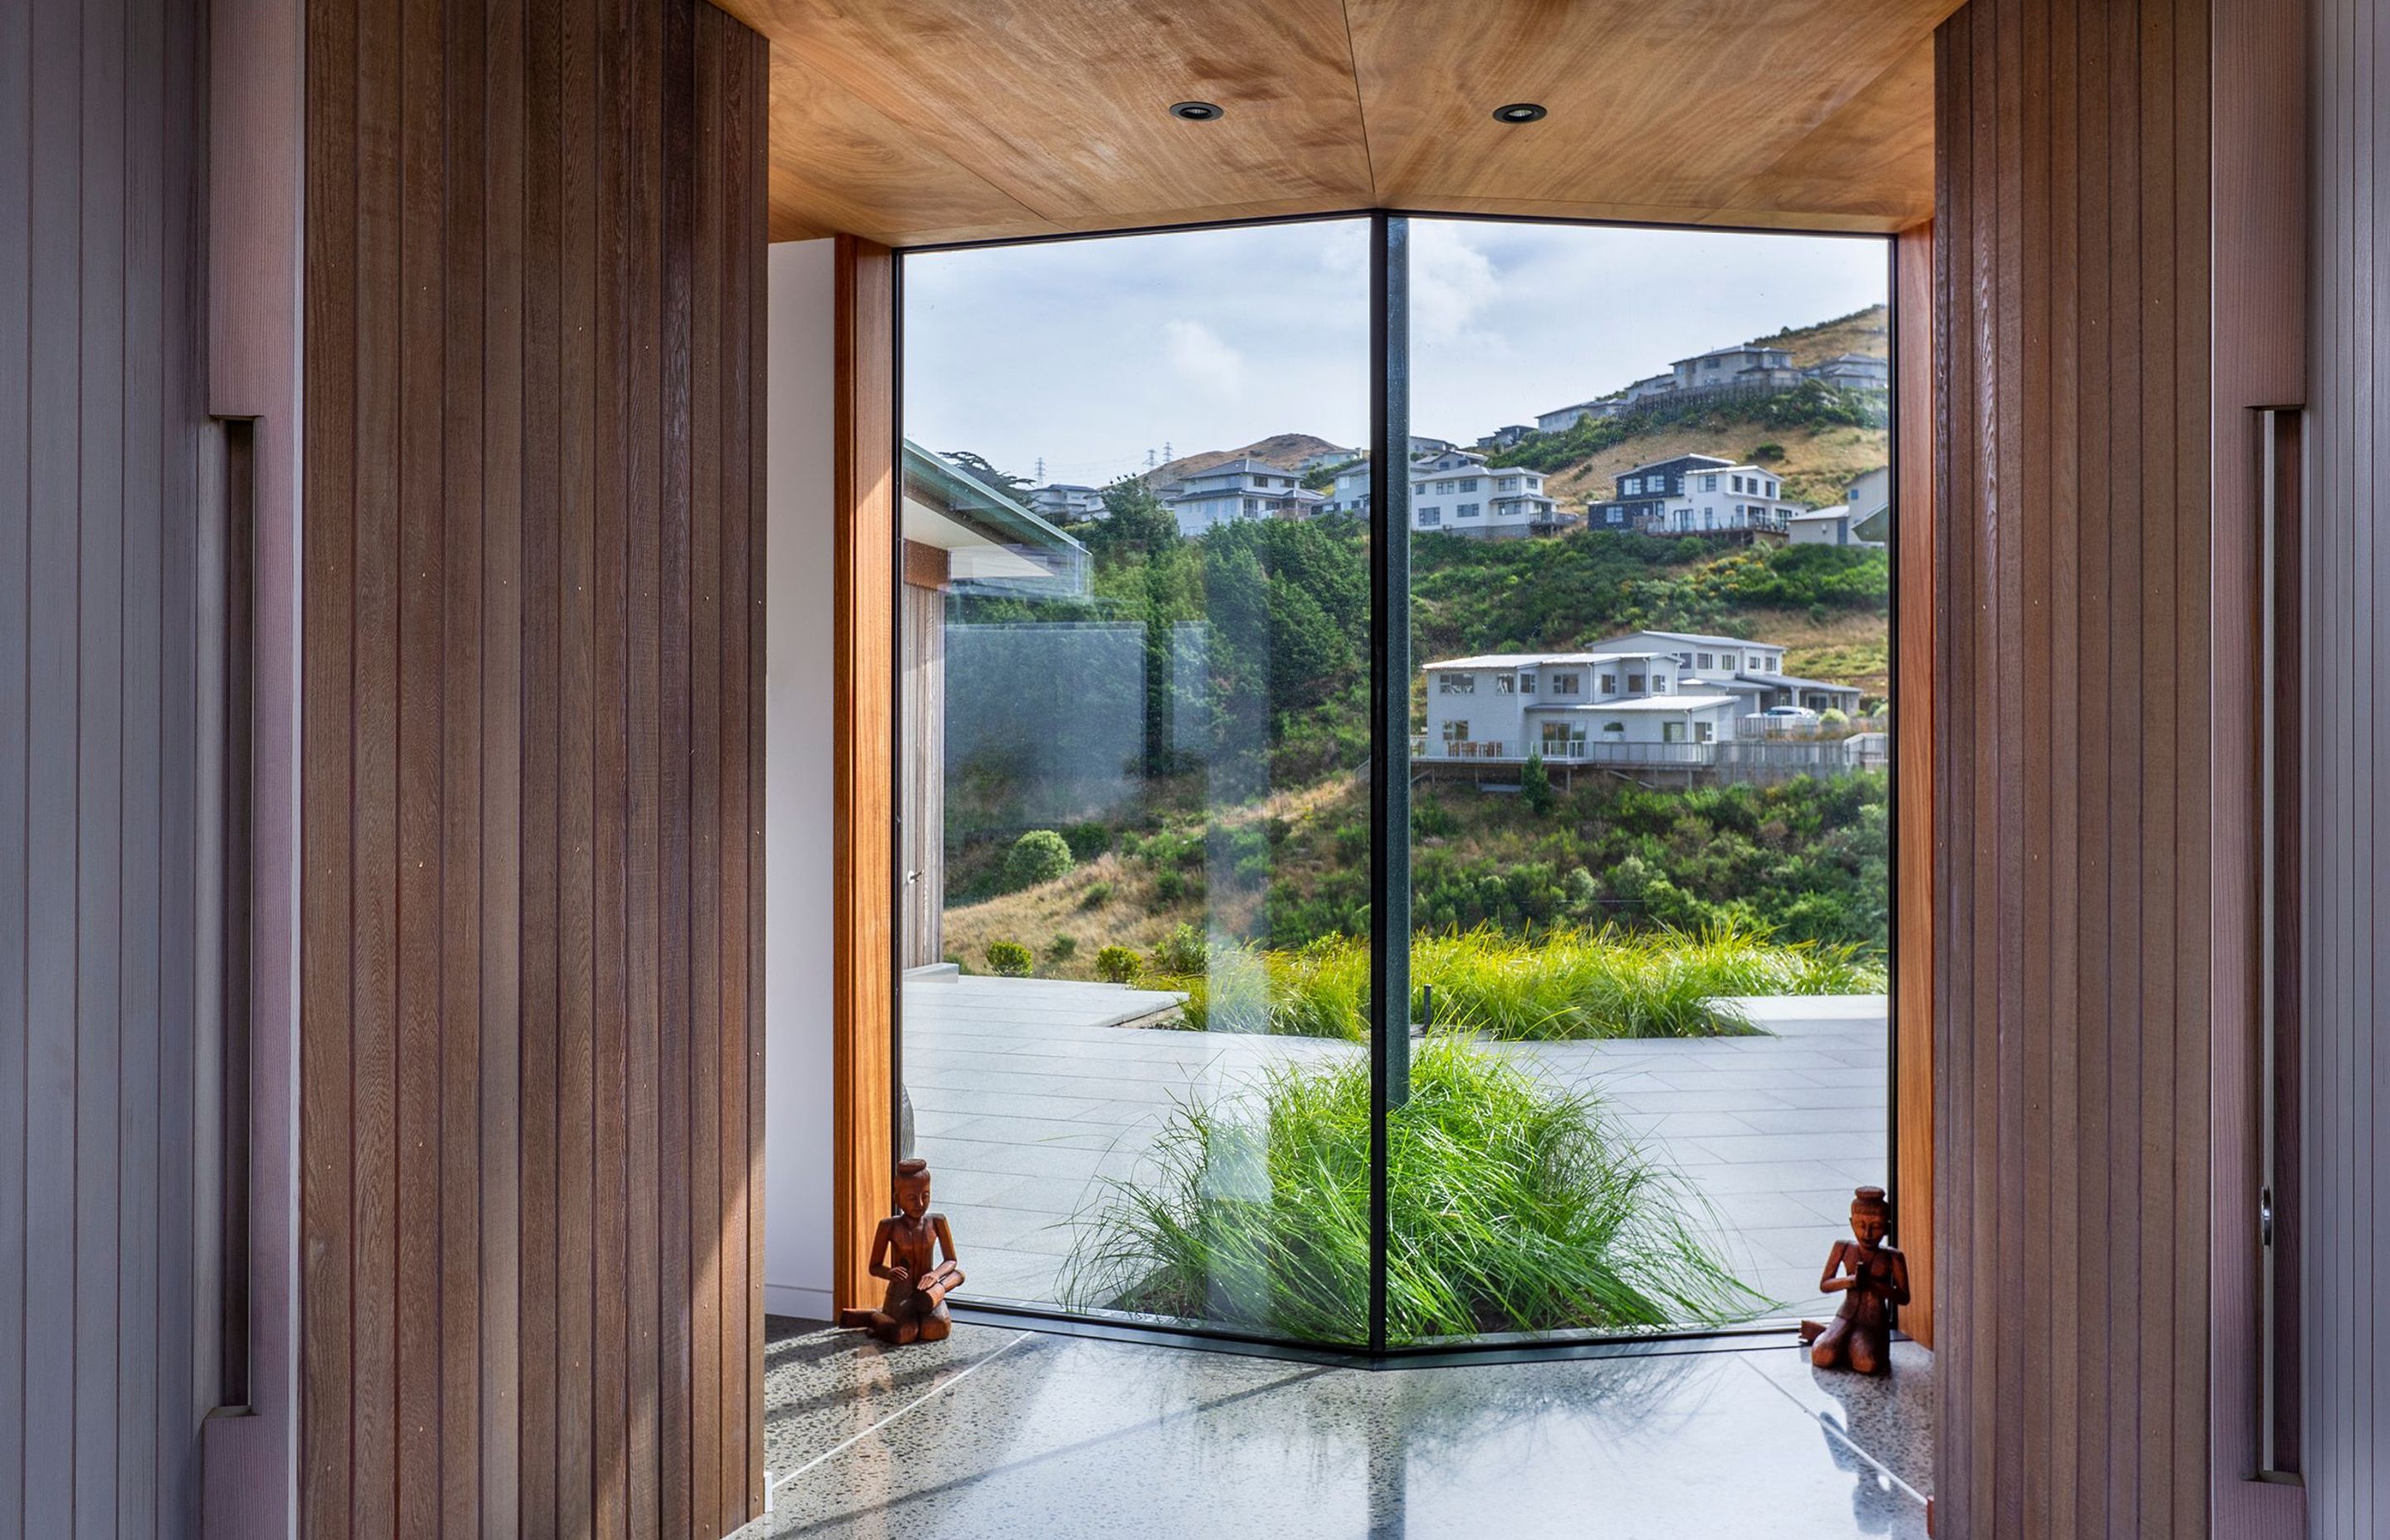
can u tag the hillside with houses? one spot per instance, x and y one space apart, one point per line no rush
1676 609
1779 439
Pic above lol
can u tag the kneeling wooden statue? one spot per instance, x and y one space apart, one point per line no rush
903 1252
1873 1281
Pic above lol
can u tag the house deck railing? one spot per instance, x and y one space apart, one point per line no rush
1795 729
1820 755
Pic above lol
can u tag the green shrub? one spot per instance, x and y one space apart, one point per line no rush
1184 952
1117 965
1096 896
1040 855
1516 1208
1536 784
1834 716
1009 959
1087 840
1169 887
1061 949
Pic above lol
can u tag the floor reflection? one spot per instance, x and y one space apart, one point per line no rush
998 1433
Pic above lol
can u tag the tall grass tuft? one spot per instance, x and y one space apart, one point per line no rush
1567 984
1516 1207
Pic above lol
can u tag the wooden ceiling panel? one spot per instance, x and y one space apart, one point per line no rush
1872 159
838 164
917 121
1064 105
1664 104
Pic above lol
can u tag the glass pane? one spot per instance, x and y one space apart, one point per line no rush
1137 650
1651 599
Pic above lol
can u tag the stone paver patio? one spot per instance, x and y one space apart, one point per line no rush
1027 1096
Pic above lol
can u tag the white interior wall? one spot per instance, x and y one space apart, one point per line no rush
798 528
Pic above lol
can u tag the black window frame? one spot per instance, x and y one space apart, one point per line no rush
1390 532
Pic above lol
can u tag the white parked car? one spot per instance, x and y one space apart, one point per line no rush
1790 714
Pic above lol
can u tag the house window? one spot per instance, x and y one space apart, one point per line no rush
1526 684
1469 485
1632 485
1505 684
1610 684
1672 732
1456 732
1562 739
1615 729
1466 510
1634 684
1429 518
1705 659
1704 732
1709 483
1456 684
1565 684
1659 683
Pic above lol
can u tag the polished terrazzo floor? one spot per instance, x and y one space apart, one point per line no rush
996 1434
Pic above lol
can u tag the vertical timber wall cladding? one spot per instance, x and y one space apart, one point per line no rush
2345 926
2072 225
106 1328
532 1050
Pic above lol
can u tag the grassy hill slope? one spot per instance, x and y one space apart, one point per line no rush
1808 438
1864 332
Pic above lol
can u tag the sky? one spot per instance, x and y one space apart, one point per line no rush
1089 354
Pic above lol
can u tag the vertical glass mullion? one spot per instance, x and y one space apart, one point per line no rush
1390 702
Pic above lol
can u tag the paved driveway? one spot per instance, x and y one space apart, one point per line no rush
1027 1096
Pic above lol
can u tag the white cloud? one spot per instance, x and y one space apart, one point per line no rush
1452 280
1201 359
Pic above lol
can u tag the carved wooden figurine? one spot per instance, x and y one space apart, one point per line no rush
1873 1281
904 1252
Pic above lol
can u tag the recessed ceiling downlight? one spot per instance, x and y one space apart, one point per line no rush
1195 112
1519 112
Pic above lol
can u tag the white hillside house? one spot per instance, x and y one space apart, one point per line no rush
1862 518
1666 700
1066 502
1725 499
1588 707
1455 493
1746 367
1241 489
1752 670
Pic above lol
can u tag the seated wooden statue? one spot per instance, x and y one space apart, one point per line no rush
903 1252
1873 1281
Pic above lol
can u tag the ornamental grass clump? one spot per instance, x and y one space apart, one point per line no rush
1568 983
1516 1207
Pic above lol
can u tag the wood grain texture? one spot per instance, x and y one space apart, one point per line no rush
515 1222
862 988
109 504
1653 107
925 121
2074 896
2345 572
2259 153
1912 269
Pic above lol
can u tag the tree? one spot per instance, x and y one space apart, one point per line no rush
1536 783
1135 520
980 471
